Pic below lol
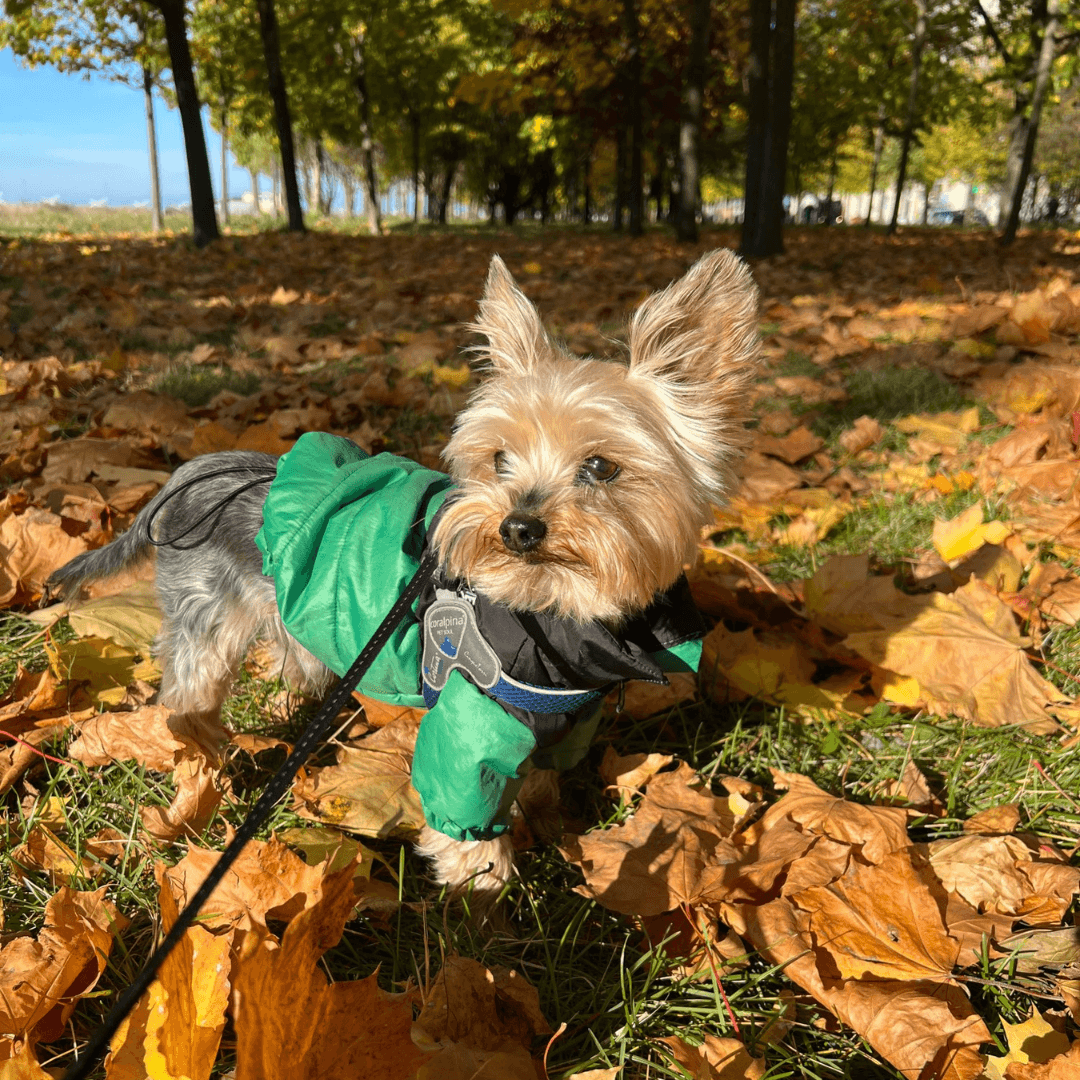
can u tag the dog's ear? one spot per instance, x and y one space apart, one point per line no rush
514 332
696 343
699 327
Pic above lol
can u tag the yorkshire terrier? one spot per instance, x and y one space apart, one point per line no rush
576 495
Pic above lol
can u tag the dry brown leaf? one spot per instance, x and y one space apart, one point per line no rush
967 657
143 735
994 820
369 790
921 1028
34 544
44 852
1000 874
200 786
668 852
878 830
792 448
23 1065
293 1024
864 433
716 1059
631 773
267 882
470 1005
42 978
882 922
175 1031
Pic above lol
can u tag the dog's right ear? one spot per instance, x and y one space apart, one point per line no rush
512 326
696 344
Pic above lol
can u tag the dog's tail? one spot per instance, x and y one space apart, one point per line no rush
159 520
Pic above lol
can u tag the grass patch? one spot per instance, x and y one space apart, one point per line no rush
889 394
196 384
890 527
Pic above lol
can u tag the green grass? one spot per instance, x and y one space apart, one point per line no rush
888 526
197 384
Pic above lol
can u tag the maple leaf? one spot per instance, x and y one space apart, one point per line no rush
42 978
665 854
369 790
1034 1042
968 659
921 1028
882 921
174 1031
293 1024
716 1059
266 882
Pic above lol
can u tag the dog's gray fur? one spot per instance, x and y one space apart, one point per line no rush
214 598
215 602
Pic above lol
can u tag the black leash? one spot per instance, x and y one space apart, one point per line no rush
278 786
171 540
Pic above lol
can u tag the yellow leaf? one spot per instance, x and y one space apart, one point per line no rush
1034 1041
901 689
967 533
453 376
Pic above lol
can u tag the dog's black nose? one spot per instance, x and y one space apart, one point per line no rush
522 532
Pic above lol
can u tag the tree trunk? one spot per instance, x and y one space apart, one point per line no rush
203 218
772 65
275 183
635 180
620 178
156 222
268 27
444 193
1050 9
879 146
832 185
690 124
917 43
414 124
349 188
367 138
256 208
224 167
317 202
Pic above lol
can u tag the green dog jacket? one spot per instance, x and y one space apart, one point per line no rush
343 533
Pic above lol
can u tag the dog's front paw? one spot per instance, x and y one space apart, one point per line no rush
481 867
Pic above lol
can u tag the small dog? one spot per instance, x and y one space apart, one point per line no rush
576 494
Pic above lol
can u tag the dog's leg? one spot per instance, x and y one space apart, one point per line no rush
484 866
204 637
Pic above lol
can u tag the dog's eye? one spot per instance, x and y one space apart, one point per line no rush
597 470
502 467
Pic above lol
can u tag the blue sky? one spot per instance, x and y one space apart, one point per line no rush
78 140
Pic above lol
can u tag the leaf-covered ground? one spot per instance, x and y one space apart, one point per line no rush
849 850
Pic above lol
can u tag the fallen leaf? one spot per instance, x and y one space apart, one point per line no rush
716 1059
883 921
369 790
1033 1041
175 1031
292 1023
665 854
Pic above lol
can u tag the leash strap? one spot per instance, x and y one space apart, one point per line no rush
279 784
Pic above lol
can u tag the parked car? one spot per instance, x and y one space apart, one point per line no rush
824 213
970 216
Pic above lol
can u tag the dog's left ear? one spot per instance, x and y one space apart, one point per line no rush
696 342
512 326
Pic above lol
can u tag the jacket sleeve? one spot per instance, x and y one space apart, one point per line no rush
685 656
465 765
